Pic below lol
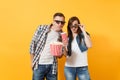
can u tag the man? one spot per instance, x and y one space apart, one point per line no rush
44 65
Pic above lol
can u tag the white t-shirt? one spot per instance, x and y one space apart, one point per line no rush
78 58
46 57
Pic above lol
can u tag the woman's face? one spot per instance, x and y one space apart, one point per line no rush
74 26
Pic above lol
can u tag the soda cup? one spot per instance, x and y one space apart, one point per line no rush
64 37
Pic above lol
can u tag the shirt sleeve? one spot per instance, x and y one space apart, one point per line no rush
33 42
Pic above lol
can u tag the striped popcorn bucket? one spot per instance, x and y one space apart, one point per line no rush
56 48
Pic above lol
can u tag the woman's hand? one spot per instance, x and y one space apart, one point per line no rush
82 27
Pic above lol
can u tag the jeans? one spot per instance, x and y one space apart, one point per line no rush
72 72
44 71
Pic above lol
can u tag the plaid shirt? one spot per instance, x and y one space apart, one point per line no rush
37 46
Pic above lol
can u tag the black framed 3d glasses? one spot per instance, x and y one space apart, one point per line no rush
58 22
74 26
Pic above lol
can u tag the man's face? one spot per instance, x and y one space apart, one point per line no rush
58 23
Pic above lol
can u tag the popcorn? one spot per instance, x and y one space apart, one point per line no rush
56 48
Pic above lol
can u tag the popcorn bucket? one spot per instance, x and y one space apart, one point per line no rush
56 48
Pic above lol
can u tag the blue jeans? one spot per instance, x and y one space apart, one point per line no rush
72 72
44 71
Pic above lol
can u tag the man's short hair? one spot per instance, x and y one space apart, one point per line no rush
58 14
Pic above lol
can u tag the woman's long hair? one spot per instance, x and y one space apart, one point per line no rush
70 35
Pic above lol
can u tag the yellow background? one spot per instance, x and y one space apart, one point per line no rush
20 18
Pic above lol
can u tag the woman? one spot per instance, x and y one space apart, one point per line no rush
76 58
